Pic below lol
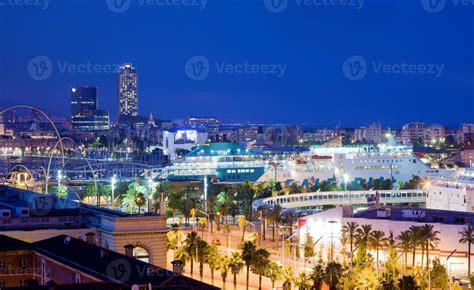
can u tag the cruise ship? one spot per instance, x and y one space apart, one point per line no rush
228 162
225 162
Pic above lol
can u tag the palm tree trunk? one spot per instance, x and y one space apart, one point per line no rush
414 255
235 279
223 283
248 273
469 259
212 276
427 255
259 282
378 269
276 238
192 265
406 262
201 269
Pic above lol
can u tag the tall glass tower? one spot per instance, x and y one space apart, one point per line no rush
127 91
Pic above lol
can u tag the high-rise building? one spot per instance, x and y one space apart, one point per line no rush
127 90
85 114
83 98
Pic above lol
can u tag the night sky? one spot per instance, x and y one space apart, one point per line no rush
405 60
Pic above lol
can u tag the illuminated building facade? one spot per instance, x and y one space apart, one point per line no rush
85 115
127 91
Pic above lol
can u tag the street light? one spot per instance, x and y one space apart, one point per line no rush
60 175
113 181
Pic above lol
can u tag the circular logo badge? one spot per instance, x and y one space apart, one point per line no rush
41 205
40 68
276 6
197 68
119 270
433 6
119 6
354 68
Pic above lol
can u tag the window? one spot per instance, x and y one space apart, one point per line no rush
141 254
23 283
2 264
2 285
23 263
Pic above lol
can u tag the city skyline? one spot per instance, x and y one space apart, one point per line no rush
258 65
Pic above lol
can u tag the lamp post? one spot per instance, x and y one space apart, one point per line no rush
150 192
113 181
60 175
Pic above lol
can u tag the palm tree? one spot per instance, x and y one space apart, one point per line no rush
128 201
275 217
191 245
260 263
274 272
223 266
242 225
407 283
202 224
202 251
236 264
212 259
288 278
377 240
248 250
349 231
405 244
467 237
140 201
431 240
415 241
363 236
332 275
303 282
317 276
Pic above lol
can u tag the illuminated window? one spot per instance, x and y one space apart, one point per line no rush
141 254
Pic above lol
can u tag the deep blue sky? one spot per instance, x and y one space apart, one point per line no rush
312 41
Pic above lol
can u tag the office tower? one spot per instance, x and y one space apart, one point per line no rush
127 91
85 114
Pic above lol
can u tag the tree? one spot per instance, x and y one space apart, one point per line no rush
405 244
212 259
430 238
275 217
223 267
202 252
439 276
260 263
467 237
309 247
332 275
202 224
288 278
248 250
407 283
303 281
242 225
246 196
128 201
377 240
366 279
317 275
191 244
362 242
236 264
415 235
349 232
275 272
61 191
140 201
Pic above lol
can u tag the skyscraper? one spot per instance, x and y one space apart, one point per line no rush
85 114
127 91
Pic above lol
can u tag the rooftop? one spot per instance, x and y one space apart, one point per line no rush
424 215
